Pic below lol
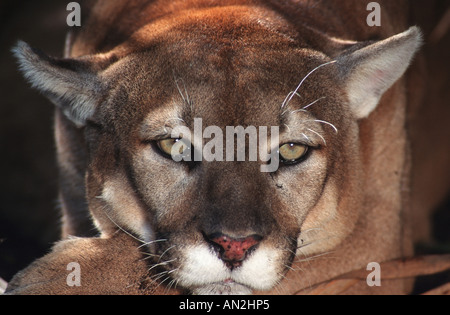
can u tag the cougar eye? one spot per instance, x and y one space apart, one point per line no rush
291 153
175 148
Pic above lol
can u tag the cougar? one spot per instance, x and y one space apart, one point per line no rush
329 89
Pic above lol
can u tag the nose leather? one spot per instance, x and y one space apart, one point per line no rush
234 251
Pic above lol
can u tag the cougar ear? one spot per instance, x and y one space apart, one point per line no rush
370 71
71 84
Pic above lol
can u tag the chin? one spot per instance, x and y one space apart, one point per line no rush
203 273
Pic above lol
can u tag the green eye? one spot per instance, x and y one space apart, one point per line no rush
175 148
291 153
166 145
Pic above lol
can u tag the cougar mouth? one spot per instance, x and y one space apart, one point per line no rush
202 271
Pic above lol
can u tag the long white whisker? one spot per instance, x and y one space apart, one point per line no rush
123 230
165 252
302 109
185 97
313 242
153 242
295 269
295 111
304 79
315 132
290 94
161 264
174 118
285 100
167 278
306 137
159 275
179 91
171 283
169 286
188 99
325 122
311 104
308 259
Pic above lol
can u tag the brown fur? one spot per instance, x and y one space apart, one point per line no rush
100 272
151 64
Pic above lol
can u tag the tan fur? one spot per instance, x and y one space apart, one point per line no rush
151 66
104 269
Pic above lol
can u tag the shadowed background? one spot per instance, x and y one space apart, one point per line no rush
29 216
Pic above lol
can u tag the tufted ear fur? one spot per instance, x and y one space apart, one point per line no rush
71 84
370 71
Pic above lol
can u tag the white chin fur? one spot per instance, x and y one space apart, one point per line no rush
222 289
204 273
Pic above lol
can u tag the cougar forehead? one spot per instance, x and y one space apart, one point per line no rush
226 91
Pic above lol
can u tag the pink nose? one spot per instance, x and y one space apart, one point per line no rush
234 251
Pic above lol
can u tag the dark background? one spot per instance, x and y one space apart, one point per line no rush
29 216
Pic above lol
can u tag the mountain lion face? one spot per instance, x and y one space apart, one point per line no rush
223 225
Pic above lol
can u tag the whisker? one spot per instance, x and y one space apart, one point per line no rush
169 286
315 132
161 264
297 111
304 108
171 283
289 251
179 91
306 137
290 94
190 102
277 285
123 230
174 118
153 242
312 242
167 278
289 129
311 104
177 281
285 100
310 258
185 97
326 123
304 79
295 270
148 254
166 251
148 257
159 275
289 267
